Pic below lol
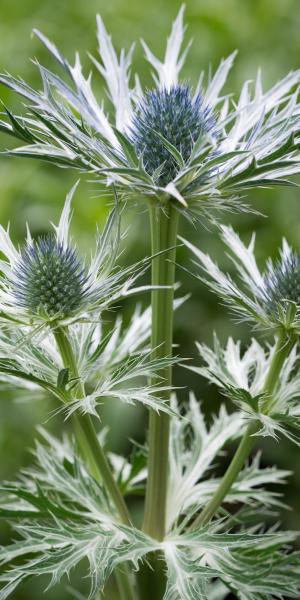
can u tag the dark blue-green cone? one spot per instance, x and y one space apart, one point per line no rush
283 282
49 279
179 118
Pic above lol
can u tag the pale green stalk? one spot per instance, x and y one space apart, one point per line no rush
94 454
283 347
164 224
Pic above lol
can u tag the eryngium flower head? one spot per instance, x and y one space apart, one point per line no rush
270 299
172 116
282 281
258 133
49 279
47 282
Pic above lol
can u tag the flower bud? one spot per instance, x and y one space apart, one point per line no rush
49 279
282 283
176 116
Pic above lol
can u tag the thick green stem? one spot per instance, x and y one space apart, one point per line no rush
95 456
282 350
164 224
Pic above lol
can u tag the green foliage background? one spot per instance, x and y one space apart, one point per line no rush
266 33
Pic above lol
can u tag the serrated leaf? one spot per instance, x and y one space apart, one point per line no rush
9 368
63 379
68 520
127 148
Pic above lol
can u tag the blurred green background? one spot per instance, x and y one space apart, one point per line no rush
266 33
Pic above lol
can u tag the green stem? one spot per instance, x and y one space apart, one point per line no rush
125 583
164 224
284 345
84 427
95 456
282 350
229 478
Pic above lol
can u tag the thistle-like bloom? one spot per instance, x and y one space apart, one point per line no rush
168 117
270 299
46 282
242 378
173 143
49 279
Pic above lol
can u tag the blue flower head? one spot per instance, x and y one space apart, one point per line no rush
172 116
45 281
282 282
49 279
147 146
270 299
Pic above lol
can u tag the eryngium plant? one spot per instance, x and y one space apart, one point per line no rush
269 300
183 150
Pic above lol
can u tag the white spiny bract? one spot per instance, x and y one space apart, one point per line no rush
249 563
45 282
217 591
74 521
118 384
206 162
194 449
270 299
188 465
242 378
95 350
114 365
29 358
63 518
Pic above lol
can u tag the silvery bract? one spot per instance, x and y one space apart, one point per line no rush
270 299
45 286
242 378
194 146
30 357
74 522
46 282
